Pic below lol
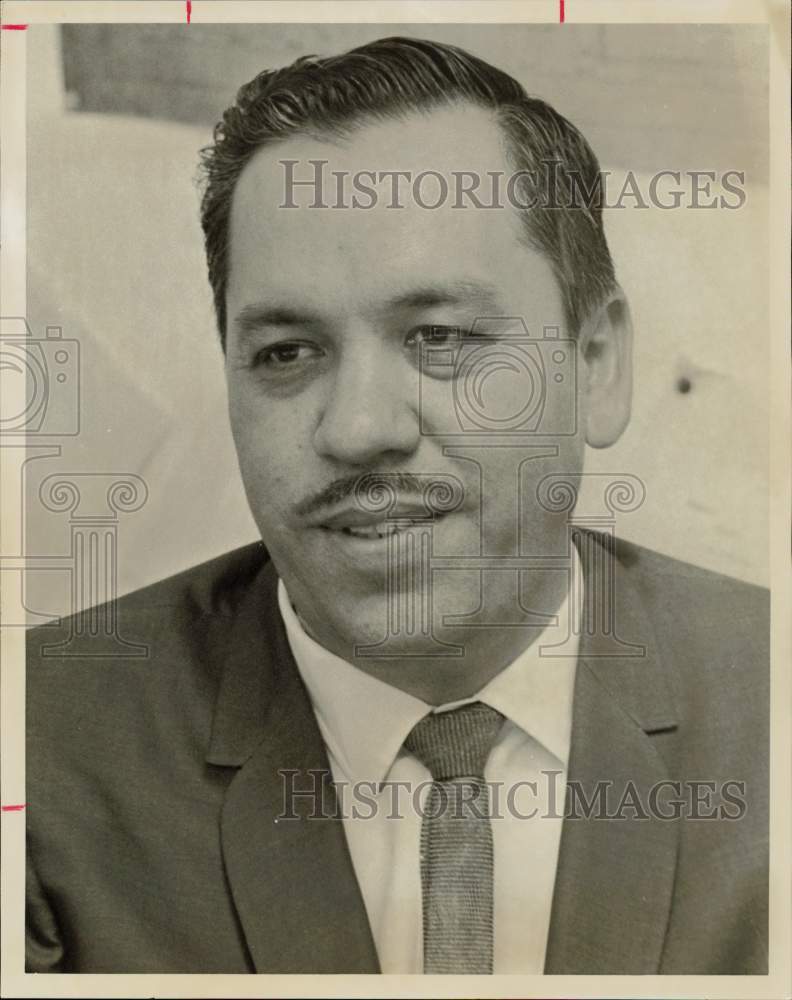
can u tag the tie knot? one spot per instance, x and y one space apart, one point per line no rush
455 744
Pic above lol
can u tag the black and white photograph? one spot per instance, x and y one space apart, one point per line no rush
396 546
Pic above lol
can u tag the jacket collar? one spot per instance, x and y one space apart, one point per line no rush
619 641
251 651
615 875
291 879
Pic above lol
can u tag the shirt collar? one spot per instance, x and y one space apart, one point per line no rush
535 691
364 721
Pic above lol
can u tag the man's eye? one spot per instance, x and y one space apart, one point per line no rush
437 336
281 356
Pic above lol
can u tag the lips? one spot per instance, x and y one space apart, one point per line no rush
358 521
372 531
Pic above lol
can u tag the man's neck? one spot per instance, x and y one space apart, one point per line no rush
441 679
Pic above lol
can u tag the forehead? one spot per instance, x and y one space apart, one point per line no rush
347 256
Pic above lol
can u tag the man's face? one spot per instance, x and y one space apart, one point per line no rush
327 312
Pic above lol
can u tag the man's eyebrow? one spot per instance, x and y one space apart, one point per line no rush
475 293
259 314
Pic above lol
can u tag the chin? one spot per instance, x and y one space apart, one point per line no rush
346 624
399 626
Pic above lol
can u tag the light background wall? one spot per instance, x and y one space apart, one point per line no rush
115 258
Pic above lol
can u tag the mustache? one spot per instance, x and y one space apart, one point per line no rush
405 483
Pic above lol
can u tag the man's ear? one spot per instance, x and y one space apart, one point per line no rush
606 352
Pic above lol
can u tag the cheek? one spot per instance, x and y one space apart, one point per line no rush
273 445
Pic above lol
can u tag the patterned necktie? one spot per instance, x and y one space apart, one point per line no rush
456 838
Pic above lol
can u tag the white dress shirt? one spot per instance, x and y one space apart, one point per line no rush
364 723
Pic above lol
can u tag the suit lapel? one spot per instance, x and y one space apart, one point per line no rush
616 868
292 880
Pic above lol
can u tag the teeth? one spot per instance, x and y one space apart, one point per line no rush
372 530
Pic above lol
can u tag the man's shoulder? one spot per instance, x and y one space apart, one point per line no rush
712 632
661 577
149 663
214 587
176 624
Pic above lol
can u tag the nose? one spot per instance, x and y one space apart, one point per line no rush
369 414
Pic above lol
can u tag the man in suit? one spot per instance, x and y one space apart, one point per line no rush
579 725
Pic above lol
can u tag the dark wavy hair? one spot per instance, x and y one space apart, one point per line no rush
391 78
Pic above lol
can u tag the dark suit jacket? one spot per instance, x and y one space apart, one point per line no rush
152 787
